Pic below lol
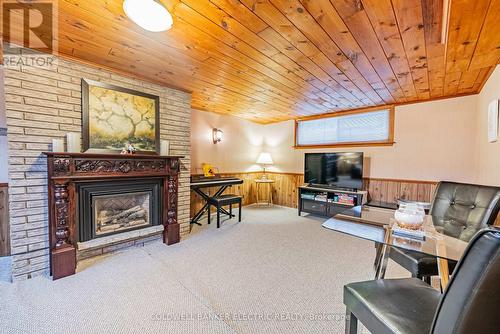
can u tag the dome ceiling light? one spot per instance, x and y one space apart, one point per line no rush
148 14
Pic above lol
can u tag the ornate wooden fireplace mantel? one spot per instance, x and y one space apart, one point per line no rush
64 169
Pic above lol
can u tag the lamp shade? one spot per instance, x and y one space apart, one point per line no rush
265 159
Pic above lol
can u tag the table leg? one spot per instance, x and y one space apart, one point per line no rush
270 190
268 195
204 208
257 193
444 274
384 254
351 323
384 257
378 252
443 270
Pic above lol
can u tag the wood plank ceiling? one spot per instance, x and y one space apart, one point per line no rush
272 60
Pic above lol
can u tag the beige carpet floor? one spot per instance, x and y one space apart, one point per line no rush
274 272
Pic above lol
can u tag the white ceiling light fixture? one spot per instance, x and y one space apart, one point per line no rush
148 14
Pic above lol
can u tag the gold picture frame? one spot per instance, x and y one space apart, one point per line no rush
114 116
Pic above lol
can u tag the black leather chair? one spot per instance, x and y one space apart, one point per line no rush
470 303
460 210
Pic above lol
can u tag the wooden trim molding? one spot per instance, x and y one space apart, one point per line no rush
389 142
439 98
400 180
353 144
4 220
348 112
251 172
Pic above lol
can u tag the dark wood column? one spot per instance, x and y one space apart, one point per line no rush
63 254
171 232
64 169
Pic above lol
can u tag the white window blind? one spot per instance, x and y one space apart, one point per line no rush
363 127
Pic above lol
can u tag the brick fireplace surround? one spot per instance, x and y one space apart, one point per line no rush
45 103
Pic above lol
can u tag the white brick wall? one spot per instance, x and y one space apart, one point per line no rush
42 104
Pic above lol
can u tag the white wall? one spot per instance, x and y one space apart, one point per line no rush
488 154
237 152
434 141
3 139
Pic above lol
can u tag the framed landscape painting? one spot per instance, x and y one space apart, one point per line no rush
114 117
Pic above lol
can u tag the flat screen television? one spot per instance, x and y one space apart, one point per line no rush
334 170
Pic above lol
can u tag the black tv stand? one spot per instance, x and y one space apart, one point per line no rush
328 201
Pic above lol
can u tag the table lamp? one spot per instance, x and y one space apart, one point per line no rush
264 159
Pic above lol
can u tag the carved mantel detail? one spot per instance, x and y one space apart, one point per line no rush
118 166
174 166
172 234
172 200
65 168
61 215
61 166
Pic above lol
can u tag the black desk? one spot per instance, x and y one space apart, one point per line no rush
222 182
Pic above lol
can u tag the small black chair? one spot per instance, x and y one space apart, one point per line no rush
224 200
470 303
460 210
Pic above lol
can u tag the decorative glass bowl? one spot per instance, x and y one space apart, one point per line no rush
410 216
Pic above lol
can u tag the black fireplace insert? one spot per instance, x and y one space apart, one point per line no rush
117 206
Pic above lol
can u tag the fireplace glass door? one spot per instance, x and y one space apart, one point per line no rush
117 213
112 207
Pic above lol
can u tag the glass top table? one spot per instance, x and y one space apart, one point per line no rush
376 224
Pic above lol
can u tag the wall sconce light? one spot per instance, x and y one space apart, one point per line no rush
217 135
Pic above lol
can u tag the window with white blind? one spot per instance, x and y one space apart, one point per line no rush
367 128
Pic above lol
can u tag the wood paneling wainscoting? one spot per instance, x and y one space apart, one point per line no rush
246 189
389 190
4 220
285 189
